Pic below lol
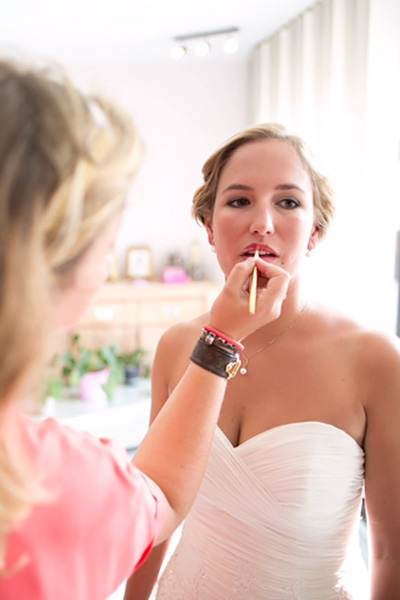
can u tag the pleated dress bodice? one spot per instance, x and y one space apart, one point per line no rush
276 518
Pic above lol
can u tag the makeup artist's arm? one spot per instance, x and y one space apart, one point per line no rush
142 581
175 451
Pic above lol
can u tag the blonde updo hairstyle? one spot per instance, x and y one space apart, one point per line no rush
66 164
204 198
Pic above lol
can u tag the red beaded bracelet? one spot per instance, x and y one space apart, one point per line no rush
224 337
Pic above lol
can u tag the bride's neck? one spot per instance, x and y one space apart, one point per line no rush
292 309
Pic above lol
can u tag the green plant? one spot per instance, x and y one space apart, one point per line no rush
77 361
134 365
53 387
73 364
134 358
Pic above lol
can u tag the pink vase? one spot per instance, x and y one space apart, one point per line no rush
90 387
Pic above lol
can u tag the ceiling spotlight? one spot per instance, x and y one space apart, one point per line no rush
230 45
202 48
200 43
178 51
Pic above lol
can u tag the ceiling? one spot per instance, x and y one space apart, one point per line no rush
86 31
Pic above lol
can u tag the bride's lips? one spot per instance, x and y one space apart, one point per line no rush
265 252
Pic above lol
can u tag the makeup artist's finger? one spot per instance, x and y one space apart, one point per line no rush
268 269
230 307
269 272
237 282
240 273
272 293
230 312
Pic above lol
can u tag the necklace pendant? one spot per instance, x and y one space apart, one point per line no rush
243 371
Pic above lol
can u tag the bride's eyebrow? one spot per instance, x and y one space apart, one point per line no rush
289 186
249 188
237 186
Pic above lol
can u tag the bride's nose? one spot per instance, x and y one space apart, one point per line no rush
262 222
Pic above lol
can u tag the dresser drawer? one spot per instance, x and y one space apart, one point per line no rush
113 313
93 336
170 311
136 316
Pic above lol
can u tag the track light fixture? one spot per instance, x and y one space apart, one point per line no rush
201 43
178 51
202 48
230 45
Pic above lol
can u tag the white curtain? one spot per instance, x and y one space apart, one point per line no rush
311 75
332 76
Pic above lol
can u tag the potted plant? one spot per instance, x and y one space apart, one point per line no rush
133 365
95 372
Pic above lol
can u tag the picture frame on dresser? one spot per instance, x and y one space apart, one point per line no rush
139 263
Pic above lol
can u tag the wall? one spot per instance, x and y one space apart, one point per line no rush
183 112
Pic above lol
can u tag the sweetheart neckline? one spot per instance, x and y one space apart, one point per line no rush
294 424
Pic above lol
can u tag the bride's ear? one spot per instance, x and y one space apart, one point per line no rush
209 229
313 241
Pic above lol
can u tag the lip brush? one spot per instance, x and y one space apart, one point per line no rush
253 288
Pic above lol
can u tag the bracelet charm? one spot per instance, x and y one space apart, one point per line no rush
209 338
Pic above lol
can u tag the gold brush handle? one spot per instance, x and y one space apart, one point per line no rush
253 289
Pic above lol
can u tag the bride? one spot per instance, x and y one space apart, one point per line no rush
312 418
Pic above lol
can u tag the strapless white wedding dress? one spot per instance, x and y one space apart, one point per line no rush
276 519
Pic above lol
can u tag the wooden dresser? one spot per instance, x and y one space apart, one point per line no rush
136 315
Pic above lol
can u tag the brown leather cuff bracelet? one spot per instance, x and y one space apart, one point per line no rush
216 360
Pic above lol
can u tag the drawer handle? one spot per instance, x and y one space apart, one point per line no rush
104 313
171 310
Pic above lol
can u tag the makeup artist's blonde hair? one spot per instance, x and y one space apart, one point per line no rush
204 198
66 164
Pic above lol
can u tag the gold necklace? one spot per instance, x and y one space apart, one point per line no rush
245 360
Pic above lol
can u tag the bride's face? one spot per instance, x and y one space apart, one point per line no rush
264 201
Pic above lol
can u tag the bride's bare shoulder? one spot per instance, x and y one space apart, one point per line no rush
370 347
183 332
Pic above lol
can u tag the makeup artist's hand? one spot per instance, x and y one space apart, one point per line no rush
230 311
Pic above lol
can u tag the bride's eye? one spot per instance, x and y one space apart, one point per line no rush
289 203
238 202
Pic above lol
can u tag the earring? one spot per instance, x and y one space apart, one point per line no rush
212 248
